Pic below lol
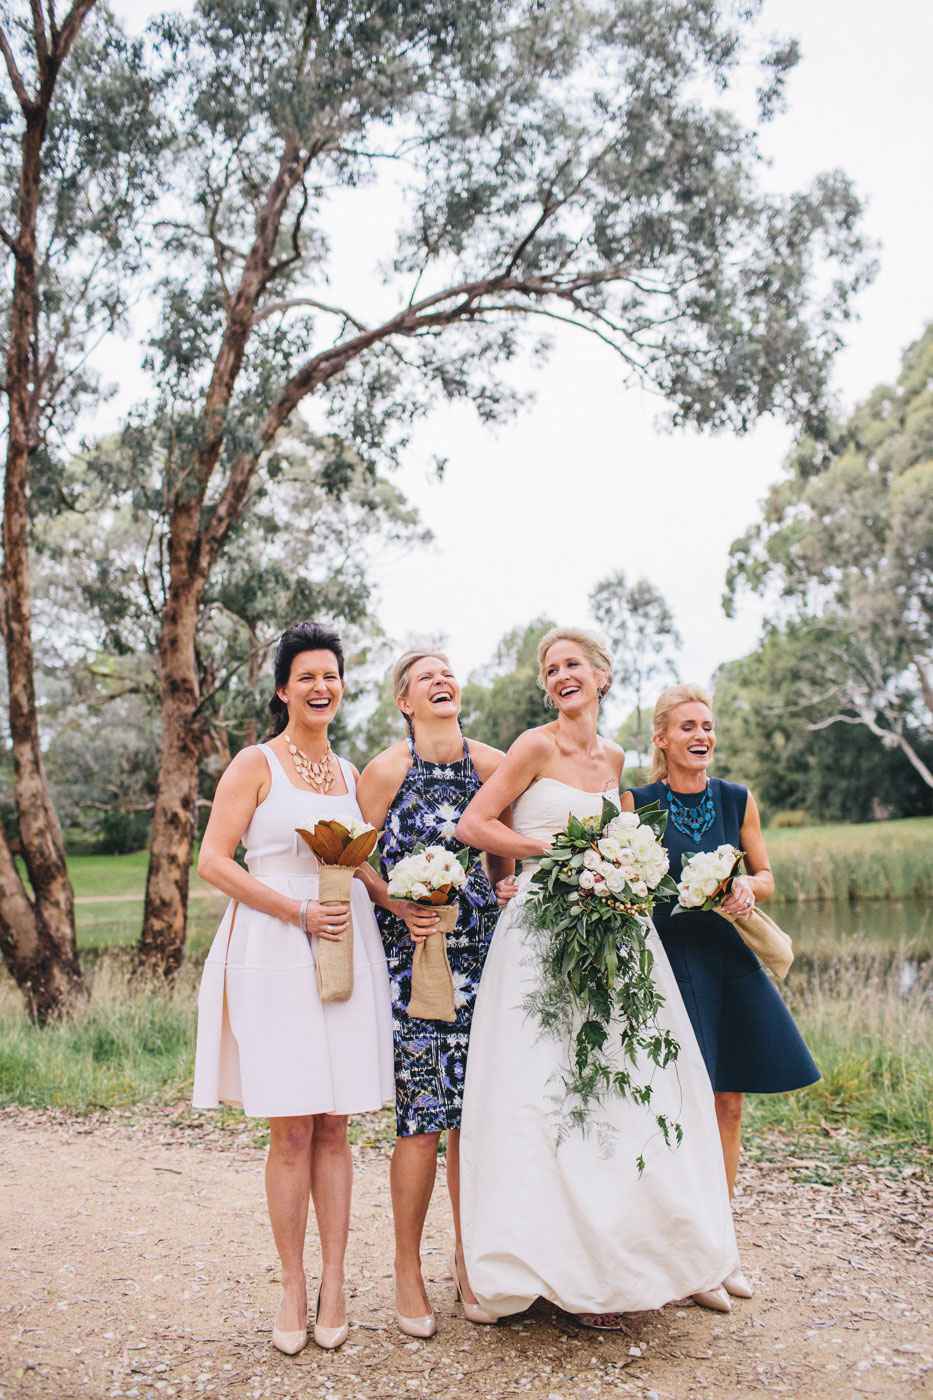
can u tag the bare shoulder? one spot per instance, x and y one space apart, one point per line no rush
393 763
535 743
486 758
247 771
615 754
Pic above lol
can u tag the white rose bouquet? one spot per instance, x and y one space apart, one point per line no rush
431 875
590 901
341 847
706 879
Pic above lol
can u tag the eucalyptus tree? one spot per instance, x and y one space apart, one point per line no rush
77 152
642 635
551 163
101 590
845 545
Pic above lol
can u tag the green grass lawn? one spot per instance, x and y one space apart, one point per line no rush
93 876
867 860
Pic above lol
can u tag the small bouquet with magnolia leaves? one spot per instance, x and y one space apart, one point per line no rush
589 905
431 876
706 879
341 847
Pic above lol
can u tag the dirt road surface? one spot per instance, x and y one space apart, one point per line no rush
137 1262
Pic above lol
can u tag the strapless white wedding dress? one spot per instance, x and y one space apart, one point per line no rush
575 1223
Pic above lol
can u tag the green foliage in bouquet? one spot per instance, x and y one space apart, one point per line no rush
596 988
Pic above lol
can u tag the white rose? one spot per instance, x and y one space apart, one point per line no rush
625 821
616 882
591 859
419 890
587 880
602 889
609 847
640 888
642 839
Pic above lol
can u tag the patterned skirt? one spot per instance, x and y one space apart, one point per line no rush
431 1056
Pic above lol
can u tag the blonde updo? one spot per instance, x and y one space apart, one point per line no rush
667 701
591 644
402 669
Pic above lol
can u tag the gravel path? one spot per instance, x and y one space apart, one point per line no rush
138 1262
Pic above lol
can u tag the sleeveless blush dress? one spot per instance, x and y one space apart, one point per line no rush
575 1223
265 1040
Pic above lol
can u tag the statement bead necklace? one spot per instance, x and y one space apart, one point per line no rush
320 776
693 822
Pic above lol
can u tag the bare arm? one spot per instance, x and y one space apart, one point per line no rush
481 825
381 780
486 761
245 784
759 882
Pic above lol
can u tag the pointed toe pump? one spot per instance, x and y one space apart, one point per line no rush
289 1343
471 1311
329 1338
716 1299
421 1327
738 1285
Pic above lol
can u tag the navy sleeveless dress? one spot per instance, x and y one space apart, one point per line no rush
430 1056
745 1032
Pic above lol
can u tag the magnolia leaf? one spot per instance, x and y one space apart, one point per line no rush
360 848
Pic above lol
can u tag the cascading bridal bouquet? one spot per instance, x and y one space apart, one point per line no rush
341 847
706 878
431 875
588 908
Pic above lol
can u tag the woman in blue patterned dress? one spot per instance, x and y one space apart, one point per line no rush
416 791
746 1033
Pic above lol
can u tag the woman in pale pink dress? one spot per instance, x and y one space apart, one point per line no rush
265 1039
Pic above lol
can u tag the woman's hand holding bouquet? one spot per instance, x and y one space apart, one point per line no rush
429 879
710 880
341 847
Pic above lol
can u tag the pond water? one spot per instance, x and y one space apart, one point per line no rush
893 939
875 925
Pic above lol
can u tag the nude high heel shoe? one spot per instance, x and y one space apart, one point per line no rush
289 1343
329 1338
738 1285
716 1299
471 1311
421 1327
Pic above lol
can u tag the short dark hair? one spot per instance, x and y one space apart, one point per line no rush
303 636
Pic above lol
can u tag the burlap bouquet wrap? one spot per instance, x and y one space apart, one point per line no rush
340 856
767 940
333 961
432 986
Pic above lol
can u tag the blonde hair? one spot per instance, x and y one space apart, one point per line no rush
667 701
402 669
591 644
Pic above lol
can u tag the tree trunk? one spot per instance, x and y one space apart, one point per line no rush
41 950
162 943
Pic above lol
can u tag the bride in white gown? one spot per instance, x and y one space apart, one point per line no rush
575 1223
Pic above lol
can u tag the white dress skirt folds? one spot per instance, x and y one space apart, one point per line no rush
265 1040
575 1223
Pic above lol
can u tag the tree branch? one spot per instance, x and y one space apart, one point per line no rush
16 78
39 34
275 307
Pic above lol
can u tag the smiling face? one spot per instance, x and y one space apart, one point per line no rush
314 689
570 679
432 691
689 738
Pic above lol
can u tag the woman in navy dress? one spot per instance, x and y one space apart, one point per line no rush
415 792
746 1033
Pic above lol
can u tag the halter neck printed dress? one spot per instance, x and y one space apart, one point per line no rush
430 1056
575 1223
265 1040
748 1037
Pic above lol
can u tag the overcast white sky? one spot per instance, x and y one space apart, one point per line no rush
531 515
